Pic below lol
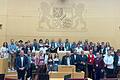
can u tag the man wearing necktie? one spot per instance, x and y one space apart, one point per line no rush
75 59
82 62
21 65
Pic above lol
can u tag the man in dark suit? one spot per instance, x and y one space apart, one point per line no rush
82 62
75 59
21 65
66 60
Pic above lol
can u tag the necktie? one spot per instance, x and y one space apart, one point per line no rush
21 61
75 57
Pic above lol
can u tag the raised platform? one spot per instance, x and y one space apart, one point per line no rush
53 75
11 75
62 74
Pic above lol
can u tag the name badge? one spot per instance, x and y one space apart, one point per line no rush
96 65
90 60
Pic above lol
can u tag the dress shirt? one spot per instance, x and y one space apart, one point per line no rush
79 49
108 60
43 49
118 60
68 61
22 58
46 59
12 48
75 57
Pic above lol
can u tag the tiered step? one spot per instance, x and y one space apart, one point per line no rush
66 70
119 75
11 75
111 79
62 74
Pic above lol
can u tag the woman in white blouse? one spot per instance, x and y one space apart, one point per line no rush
56 62
4 50
108 60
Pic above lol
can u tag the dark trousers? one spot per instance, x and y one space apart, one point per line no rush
40 70
21 74
97 74
90 71
29 73
2 76
12 62
109 73
43 76
116 71
77 67
82 67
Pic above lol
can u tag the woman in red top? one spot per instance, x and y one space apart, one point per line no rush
91 59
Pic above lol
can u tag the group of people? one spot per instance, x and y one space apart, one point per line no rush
95 59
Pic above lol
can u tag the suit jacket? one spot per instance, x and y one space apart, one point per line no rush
25 62
83 59
67 46
102 51
64 60
73 60
99 63
61 48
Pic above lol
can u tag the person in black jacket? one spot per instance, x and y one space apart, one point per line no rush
82 62
116 58
21 65
66 60
75 59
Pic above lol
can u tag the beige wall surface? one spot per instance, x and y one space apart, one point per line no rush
95 20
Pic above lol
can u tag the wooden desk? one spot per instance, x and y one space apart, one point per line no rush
58 74
56 78
65 68
62 79
62 74
3 65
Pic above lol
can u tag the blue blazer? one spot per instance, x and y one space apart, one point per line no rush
25 63
83 59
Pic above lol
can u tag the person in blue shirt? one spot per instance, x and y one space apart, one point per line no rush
67 45
73 46
12 50
35 45
59 43
53 47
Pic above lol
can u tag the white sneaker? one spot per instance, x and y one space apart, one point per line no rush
13 69
9 70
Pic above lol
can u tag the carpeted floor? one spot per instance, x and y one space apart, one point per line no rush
10 79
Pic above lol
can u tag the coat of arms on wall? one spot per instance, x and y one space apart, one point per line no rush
61 17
